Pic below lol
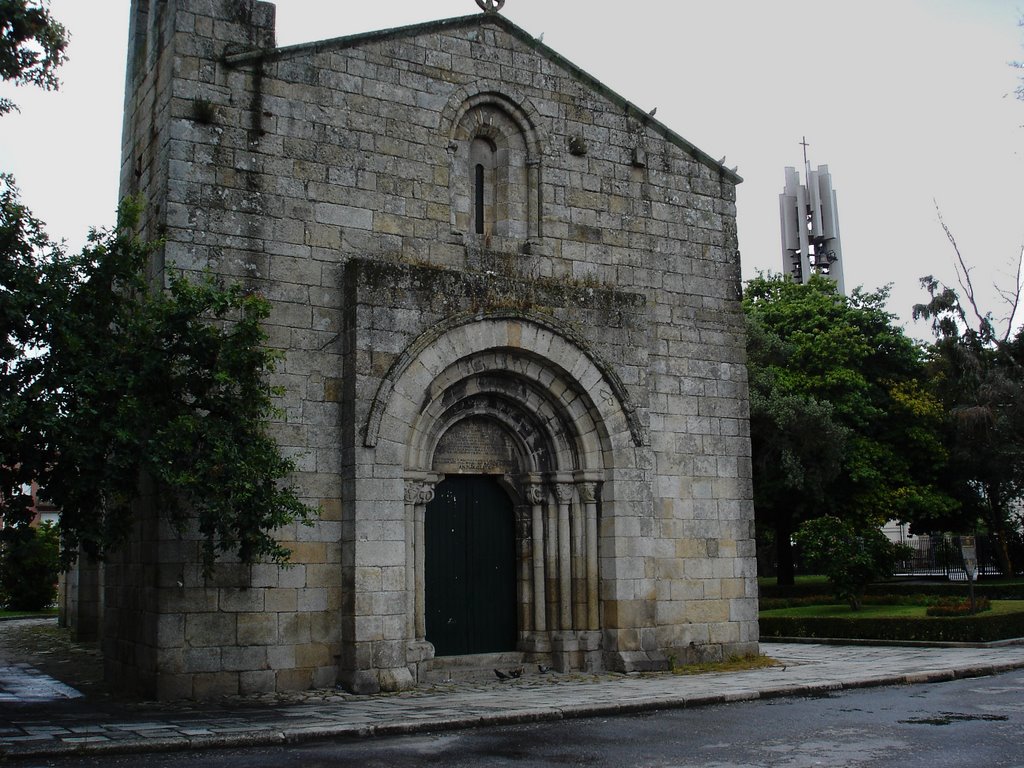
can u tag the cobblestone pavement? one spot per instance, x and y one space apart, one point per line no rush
40 715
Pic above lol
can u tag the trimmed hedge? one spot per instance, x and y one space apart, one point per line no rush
993 590
980 628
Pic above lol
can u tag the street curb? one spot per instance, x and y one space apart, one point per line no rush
297 734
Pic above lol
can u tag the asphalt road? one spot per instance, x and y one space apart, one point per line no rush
976 722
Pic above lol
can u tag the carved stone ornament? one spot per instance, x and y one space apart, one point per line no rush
588 492
490 6
426 494
412 491
418 492
564 493
535 494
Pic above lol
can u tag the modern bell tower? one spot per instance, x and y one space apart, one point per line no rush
810 225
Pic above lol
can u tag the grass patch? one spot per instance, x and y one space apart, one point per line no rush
27 614
877 611
832 610
732 664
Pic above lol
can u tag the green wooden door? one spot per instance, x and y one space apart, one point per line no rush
470 577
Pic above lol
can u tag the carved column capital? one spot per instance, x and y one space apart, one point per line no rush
418 492
564 492
426 494
412 490
534 493
588 492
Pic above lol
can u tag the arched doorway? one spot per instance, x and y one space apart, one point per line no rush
470 568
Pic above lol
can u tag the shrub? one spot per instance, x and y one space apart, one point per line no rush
951 606
29 567
981 628
849 558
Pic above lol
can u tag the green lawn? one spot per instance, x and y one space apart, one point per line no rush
842 610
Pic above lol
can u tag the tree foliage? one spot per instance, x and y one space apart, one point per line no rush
33 45
26 258
850 557
115 393
29 566
976 369
113 387
839 424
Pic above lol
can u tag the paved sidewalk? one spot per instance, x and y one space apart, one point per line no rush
806 669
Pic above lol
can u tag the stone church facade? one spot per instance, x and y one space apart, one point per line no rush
514 358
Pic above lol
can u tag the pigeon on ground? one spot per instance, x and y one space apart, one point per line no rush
500 675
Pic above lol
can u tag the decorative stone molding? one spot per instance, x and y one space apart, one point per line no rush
535 493
617 395
564 492
588 492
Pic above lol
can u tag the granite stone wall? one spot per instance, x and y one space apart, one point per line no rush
590 311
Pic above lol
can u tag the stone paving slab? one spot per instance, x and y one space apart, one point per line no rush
804 669
22 682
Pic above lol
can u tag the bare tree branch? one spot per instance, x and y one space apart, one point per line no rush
1013 297
963 272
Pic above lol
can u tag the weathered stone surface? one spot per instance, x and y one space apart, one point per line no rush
480 262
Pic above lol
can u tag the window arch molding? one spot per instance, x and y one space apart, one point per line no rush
495 163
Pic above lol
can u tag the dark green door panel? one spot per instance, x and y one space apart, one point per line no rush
470 567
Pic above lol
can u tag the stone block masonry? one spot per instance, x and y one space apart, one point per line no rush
490 274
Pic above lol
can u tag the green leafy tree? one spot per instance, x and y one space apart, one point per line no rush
838 423
116 387
850 557
113 388
25 295
32 46
29 565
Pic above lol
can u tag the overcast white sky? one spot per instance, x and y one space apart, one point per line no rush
907 102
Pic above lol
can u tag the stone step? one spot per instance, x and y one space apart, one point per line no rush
476 667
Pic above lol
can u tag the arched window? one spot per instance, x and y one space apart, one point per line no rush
484 186
493 180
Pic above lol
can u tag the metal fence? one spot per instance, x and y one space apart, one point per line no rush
939 555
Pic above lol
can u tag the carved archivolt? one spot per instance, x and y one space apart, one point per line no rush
551 340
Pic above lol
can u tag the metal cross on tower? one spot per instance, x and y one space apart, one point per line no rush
810 224
490 6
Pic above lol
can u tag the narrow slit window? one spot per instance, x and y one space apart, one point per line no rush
483 186
479 197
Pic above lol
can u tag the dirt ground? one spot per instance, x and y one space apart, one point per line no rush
50 649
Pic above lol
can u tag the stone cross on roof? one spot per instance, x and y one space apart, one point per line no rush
490 6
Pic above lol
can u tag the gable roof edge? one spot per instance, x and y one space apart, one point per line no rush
243 58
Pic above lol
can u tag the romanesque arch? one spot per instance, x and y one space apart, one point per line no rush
539 394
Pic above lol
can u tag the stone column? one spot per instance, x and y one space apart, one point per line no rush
551 563
524 538
535 497
533 200
564 493
588 494
418 494
579 563
426 495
